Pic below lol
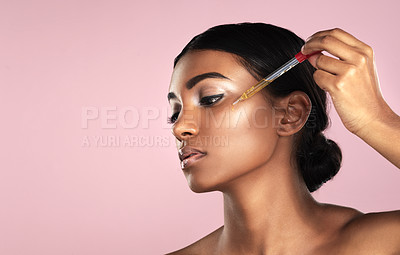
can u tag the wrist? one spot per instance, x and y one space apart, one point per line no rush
386 121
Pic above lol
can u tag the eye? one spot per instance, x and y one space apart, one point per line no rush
173 118
211 99
206 101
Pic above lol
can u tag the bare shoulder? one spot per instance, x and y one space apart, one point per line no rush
201 246
372 233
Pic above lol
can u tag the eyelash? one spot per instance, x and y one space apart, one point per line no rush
218 97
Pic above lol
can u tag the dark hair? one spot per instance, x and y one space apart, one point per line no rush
261 48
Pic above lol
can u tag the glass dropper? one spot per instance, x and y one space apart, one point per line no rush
298 58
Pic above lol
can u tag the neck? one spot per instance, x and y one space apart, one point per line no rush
268 210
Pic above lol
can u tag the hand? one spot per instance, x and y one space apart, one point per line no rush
351 80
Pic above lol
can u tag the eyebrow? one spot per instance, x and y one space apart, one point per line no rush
193 81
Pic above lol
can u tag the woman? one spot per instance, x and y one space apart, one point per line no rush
275 152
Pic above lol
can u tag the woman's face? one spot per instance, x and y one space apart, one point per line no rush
235 142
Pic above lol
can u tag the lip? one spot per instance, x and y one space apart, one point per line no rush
191 160
190 155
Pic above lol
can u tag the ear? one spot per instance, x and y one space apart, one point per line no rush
294 111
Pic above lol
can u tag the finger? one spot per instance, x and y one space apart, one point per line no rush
339 34
313 59
324 80
344 37
330 44
331 65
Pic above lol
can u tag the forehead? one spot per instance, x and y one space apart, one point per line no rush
197 62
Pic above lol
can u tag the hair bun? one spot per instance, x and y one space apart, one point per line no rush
319 160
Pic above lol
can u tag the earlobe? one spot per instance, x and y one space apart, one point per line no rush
297 107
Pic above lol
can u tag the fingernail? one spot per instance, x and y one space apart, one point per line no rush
302 49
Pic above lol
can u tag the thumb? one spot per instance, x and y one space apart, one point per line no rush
313 59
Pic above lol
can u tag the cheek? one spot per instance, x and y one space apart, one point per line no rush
223 120
252 140
249 141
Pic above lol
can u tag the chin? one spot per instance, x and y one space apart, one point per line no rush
198 186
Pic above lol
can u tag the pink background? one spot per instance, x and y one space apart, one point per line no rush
60 58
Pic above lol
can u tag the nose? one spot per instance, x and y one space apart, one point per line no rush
186 126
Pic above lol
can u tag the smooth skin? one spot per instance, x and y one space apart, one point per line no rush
267 207
353 84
